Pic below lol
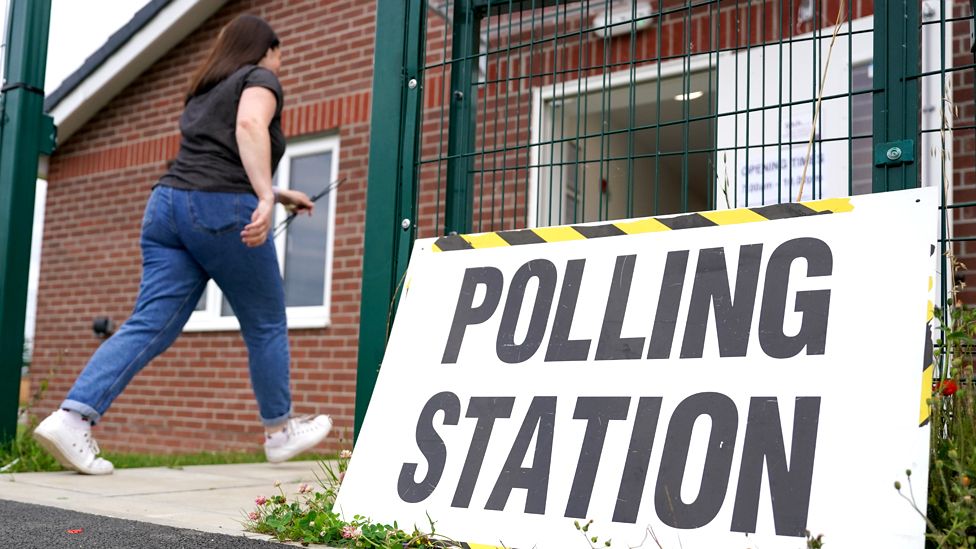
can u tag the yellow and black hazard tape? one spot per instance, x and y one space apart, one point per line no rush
563 233
928 358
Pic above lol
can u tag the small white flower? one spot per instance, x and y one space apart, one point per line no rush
345 454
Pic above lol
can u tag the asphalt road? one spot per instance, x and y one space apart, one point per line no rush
27 526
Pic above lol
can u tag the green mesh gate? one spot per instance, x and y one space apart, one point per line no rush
492 115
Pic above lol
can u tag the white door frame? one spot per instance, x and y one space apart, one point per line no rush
544 96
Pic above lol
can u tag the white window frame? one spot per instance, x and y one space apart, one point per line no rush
210 320
545 97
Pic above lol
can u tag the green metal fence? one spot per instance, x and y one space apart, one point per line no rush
506 114
25 132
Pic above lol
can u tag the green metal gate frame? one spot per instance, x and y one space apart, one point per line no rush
25 132
395 140
896 112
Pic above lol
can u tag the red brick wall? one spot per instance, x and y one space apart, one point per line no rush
197 395
964 147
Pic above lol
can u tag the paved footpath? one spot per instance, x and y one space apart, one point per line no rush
192 501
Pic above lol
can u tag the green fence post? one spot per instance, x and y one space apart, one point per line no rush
463 117
896 96
21 137
412 99
391 194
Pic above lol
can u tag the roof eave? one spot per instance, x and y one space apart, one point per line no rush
152 33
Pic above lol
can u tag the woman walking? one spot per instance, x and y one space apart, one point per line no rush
207 218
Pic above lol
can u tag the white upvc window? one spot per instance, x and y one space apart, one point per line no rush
304 248
672 137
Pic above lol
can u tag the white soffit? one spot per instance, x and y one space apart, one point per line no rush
171 25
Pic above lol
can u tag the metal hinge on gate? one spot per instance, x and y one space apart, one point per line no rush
47 135
894 153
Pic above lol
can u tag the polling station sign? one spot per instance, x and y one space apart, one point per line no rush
722 379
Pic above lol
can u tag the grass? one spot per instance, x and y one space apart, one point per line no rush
128 461
25 455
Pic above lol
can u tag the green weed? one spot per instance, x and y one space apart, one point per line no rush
310 518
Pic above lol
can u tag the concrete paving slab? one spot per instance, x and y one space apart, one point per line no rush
208 498
122 483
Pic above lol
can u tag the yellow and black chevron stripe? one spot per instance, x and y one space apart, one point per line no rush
565 233
928 358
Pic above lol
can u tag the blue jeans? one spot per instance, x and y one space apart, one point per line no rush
189 237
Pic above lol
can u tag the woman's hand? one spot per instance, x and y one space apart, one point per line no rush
295 201
256 232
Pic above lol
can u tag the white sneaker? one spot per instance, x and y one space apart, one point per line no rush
71 443
299 435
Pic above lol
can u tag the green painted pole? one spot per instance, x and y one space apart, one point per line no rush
897 40
463 114
411 99
392 184
21 136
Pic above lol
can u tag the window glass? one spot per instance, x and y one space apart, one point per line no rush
306 244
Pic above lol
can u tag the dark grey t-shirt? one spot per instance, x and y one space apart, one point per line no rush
208 159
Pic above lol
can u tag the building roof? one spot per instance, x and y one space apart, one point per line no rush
152 32
95 60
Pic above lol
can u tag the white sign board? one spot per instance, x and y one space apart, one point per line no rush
724 379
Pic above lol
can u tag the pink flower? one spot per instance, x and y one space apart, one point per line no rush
304 488
260 500
252 515
350 532
345 454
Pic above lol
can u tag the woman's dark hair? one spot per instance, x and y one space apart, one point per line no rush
244 41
